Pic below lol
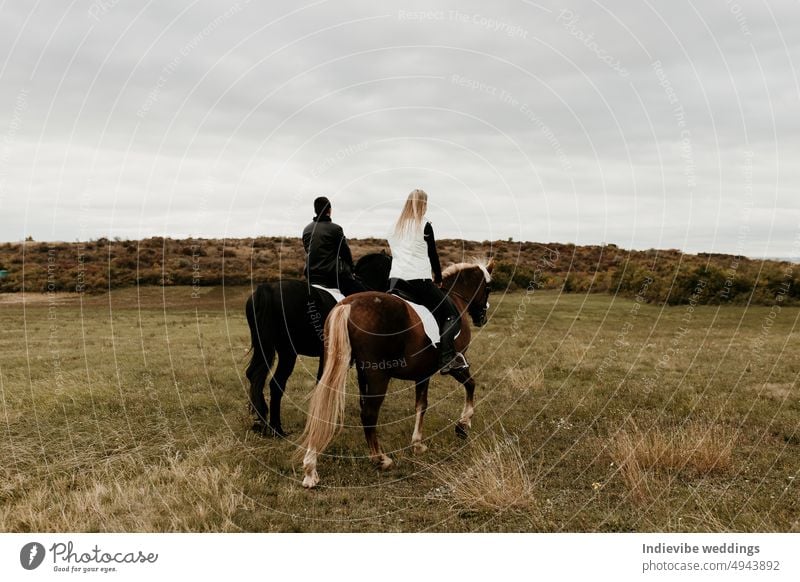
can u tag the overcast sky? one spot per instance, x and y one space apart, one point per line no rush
646 124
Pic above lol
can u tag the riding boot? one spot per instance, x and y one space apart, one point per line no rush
449 359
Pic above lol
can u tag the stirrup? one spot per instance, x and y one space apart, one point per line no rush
459 362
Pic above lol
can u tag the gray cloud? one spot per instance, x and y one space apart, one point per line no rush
643 124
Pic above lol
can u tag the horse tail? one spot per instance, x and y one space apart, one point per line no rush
326 409
258 309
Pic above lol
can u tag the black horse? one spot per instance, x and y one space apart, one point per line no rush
287 319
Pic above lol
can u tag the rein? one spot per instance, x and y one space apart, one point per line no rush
460 296
467 303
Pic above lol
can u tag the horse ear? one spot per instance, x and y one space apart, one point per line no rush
490 265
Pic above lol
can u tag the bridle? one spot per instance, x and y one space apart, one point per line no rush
481 315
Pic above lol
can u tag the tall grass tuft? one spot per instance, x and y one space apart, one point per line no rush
526 379
493 476
696 448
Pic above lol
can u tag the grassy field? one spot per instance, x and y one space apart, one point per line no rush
127 412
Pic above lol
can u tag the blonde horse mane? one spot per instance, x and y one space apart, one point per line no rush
485 265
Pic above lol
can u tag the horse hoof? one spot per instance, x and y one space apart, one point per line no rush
311 480
259 427
419 448
461 431
383 462
277 432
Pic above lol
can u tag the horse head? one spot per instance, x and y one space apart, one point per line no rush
373 271
470 282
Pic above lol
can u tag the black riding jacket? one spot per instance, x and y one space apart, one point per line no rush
327 254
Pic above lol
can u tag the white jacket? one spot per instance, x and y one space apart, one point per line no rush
410 254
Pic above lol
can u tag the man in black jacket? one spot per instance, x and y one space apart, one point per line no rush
328 259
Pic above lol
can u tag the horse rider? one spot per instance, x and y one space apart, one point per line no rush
414 258
329 262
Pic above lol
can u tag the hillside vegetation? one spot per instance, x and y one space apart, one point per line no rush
654 276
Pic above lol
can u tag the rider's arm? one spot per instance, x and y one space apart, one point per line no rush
344 251
436 266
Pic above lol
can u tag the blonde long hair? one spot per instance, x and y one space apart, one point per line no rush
413 212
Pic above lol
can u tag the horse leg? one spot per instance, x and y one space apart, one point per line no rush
277 385
421 407
373 388
257 372
320 367
465 422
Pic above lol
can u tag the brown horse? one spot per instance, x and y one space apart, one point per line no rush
385 339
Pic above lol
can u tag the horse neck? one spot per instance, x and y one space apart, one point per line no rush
461 295
465 337
462 298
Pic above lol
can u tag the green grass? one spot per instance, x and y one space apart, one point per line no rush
127 412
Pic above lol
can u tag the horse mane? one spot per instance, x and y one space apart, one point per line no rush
482 264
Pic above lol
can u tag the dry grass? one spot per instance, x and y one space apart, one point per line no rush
696 448
143 426
175 496
526 379
570 352
492 477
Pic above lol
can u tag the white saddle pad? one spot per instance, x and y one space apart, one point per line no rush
335 293
428 321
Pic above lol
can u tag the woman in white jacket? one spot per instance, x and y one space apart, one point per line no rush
417 272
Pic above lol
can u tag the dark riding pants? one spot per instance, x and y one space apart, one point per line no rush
424 292
350 286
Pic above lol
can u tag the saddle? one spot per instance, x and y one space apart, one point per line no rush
429 322
404 295
328 297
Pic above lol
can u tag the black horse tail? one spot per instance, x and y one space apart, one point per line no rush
258 309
